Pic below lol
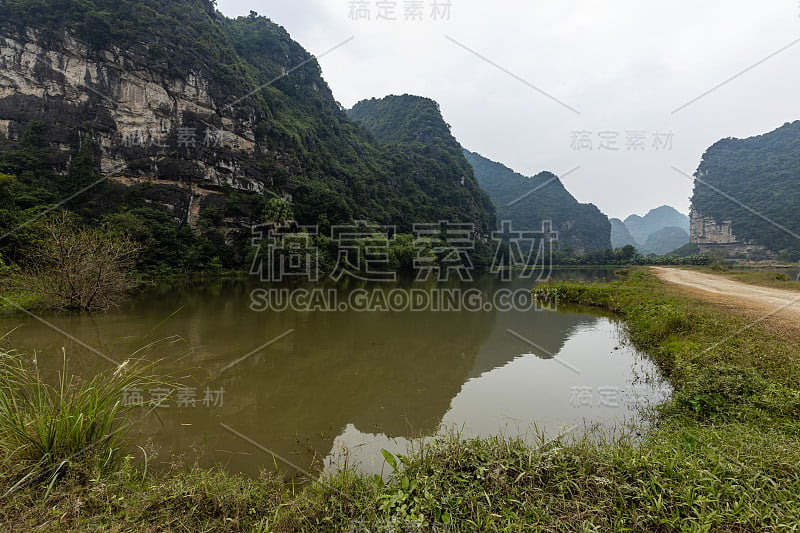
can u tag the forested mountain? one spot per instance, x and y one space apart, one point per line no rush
186 127
738 178
620 236
657 219
426 156
528 201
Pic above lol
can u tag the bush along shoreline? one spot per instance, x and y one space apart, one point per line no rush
723 454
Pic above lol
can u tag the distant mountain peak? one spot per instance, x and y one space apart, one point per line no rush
528 201
664 210
660 218
414 132
402 118
620 236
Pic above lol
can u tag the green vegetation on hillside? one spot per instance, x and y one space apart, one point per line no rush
32 189
306 146
425 154
738 178
527 202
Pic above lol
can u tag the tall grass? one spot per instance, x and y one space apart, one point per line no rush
46 428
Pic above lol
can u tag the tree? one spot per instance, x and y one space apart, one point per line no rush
80 268
626 253
83 169
4 269
7 182
278 211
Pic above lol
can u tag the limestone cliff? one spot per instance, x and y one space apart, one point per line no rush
148 124
717 238
183 107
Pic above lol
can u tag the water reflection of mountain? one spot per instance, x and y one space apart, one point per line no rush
547 331
389 373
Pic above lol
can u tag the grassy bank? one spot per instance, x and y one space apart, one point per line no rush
765 278
724 456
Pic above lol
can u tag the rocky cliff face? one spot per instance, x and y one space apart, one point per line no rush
716 237
148 125
706 230
185 106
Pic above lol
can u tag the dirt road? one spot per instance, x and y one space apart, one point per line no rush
775 307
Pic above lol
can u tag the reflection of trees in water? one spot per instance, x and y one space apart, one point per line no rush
389 373
547 331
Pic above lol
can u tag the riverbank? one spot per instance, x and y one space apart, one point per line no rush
16 302
12 301
724 455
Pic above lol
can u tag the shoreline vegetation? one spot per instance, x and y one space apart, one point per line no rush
13 296
722 455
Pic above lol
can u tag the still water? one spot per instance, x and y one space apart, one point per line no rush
292 389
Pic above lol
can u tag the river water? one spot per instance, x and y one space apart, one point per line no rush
266 386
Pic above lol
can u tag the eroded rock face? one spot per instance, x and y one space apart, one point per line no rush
706 230
149 126
717 237
210 107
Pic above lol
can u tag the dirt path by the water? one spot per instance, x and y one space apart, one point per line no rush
775 307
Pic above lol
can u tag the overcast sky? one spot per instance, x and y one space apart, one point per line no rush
518 79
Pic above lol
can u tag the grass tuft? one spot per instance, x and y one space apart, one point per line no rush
47 428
